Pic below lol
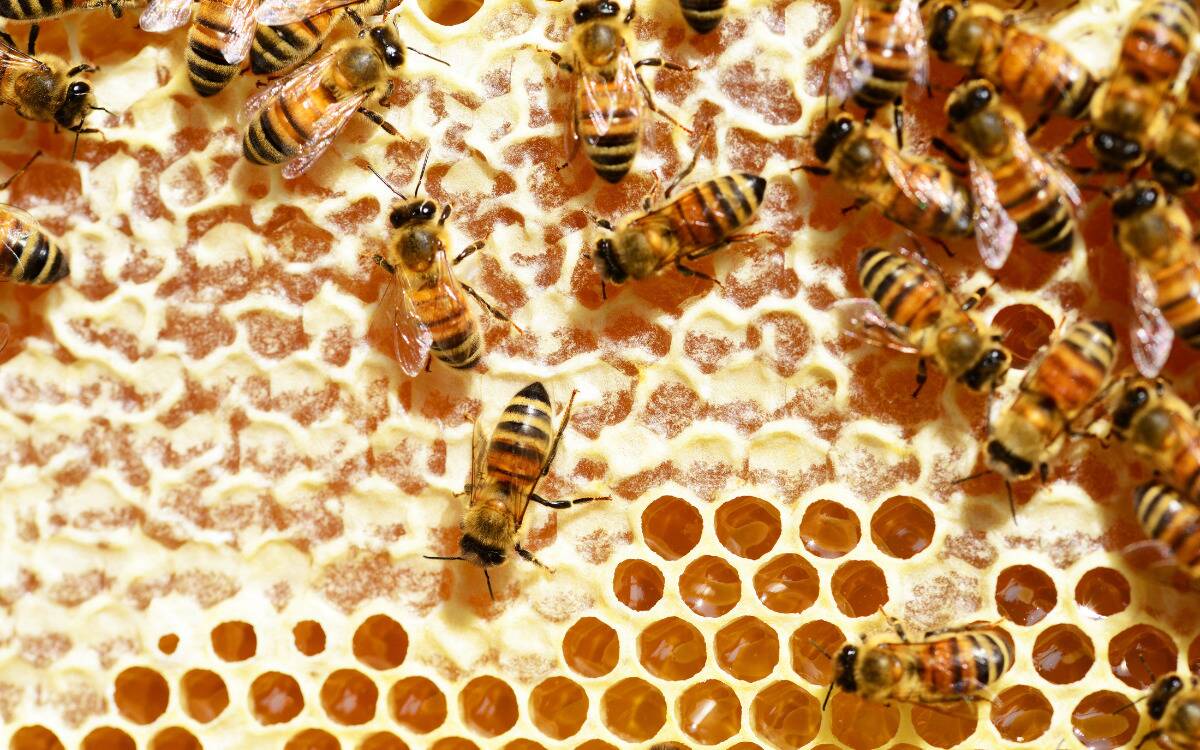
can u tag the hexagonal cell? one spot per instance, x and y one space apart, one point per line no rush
785 715
204 694
309 637
383 741
633 709
489 706
787 584
597 745
1138 653
523 744
859 588
380 642
453 743
1102 722
1021 713
671 649
107 738
1029 328
902 526
747 649
860 724
313 739
812 645
175 738
671 527
638 584
234 641
945 725
1063 654
558 707
709 712
829 529
1102 592
168 643
417 703
141 694
748 527
590 647
275 698
752 746
36 737
710 587
1024 594
349 697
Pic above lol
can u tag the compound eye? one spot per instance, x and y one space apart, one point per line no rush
1137 397
947 15
1131 150
1147 198
79 88
427 210
980 97
398 217
607 9
1104 142
580 15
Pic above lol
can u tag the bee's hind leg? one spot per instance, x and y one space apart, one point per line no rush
686 271
495 313
377 118
526 555
469 250
922 376
564 504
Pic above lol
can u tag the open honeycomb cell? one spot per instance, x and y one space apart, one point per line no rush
313 739
596 745
859 588
454 743
672 649
747 649
175 738
946 725
813 645
748 527
35 737
349 697
1102 592
380 642
1021 713
633 709
309 637
141 694
710 586
383 741
275 698
1063 654
1141 653
1101 722
168 643
787 584
1025 594
523 744
709 712
234 641
204 695
785 715
417 703
671 527
1029 326
558 707
829 529
861 724
902 526
488 705
638 584
591 648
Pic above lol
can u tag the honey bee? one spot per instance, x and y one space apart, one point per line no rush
1014 187
1027 67
218 40
30 255
1160 427
1155 233
1067 377
296 118
912 310
1176 163
703 15
291 31
1175 710
947 666
917 193
1128 112
1168 518
504 474
39 10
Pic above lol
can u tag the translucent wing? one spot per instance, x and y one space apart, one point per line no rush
1152 336
281 12
478 457
240 36
5 332
910 29
604 99
921 185
995 231
164 15
300 79
862 319
326 129
13 60
396 321
850 65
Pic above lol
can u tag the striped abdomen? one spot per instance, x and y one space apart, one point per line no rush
208 69
1035 70
29 255
1157 41
1170 519
36 10
1178 287
1074 369
703 15
884 51
452 325
707 213
609 120
949 668
905 291
277 133
279 47
1032 199
950 217
518 448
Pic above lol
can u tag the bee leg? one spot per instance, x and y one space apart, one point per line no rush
379 261
654 108
564 504
34 31
970 303
562 427
1151 735
632 11
377 118
693 272
948 150
857 204
658 62
1037 125
814 170
353 16
527 556
470 250
922 376
1044 471
12 178
684 173
490 307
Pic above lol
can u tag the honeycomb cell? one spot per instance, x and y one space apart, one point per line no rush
107 738
309 637
175 738
489 706
829 529
1029 328
748 527
453 743
710 586
34 737
747 649
785 715
902 526
859 588
204 694
349 697
671 649
590 647
1021 713
450 12
597 745
313 739
418 704
383 741
1102 720
788 584
813 645
380 642
275 698
633 709
141 694
1024 594
1139 653
234 640
1063 654
523 744
862 724
709 712
638 584
671 527
1102 592
752 746
168 643
558 707
945 725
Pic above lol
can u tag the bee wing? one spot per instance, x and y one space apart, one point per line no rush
605 99
164 15
299 79
921 186
911 29
282 12
478 456
1152 336
862 319
994 228
240 36
850 65
396 319
14 60
326 129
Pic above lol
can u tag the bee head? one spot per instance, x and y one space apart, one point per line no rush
1173 176
483 555
76 105
1133 400
607 264
419 210
1115 152
1138 197
586 11
387 42
988 370
1006 463
843 669
837 131
970 99
1164 690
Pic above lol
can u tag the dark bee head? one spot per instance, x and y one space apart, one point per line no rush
836 131
969 99
1006 463
1113 151
597 43
387 43
607 264
586 11
843 669
483 555
1133 400
988 370
76 104
418 210
1174 177
1160 697
1136 198
943 20
418 245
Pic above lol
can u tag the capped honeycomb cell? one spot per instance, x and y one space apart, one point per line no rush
590 647
234 641
204 694
747 649
141 694
829 529
175 738
1141 653
859 588
383 741
380 642
454 743
1029 329
275 698
168 643
313 739
558 707
671 527
633 709
813 646
709 712
36 737
309 637
1021 713
417 703
748 527
1025 594
862 724
785 715
638 584
671 649
349 697
709 586
787 584
1102 592
1063 654
945 725
489 706
902 526
1102 722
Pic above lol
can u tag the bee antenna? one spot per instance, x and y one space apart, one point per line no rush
102 109
1012 506
820 649
488 578
602 223
421 176
1130 704
399 194
972 477
828 694
12 178
439 557
431 57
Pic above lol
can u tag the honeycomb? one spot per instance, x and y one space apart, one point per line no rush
218 488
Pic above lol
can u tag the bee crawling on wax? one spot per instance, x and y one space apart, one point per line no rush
1160 427
291 31
219 38
1174 709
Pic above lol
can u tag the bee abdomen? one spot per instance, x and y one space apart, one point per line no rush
1158 40
703 15
277 133
900 287
208 69
30 256
709 212
611 149
1075 368
279 47
1178 287
28 10
1168 518
522 438
454 330
964 663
